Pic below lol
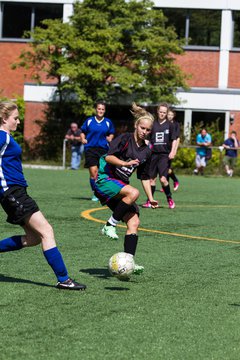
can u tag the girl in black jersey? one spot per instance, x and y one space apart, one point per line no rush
171 115
163 145
127 153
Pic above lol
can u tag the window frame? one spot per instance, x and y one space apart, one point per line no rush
33 7
187 36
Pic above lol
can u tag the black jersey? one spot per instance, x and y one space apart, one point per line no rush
125 148
162 136
177 129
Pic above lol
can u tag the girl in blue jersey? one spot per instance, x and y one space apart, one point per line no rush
20 208
127 153
97 133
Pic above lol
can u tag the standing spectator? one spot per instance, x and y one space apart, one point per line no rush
163 144
20 208
97 133
203 140
230 145
77 148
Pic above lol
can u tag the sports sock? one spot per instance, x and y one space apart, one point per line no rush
92 183
112 222
119 212
55 260
11 244
167 191
173 177
153 188
130 243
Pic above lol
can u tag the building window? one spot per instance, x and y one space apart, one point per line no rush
16 19
20 17
236 22
46 11
198 27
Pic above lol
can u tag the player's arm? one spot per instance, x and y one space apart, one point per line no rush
172 153
83 138
114 160
177 145
110 137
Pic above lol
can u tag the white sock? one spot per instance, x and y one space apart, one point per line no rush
113 221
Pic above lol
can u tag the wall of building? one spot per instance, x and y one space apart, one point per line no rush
214 74
34 115
201 66
234 70
11 81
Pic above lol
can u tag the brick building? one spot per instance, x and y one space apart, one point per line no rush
212 56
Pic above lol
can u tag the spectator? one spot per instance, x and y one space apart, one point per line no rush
204 140
230 145
77 148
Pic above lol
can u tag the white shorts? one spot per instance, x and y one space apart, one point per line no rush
200 161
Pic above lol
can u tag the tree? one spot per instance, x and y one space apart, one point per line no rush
110 50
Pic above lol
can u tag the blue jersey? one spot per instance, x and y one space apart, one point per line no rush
96 132
202 151
230 152
11 172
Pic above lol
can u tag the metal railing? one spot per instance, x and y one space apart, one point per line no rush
220 148
64 153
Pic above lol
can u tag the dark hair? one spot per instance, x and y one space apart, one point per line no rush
100 102
163 104
172 110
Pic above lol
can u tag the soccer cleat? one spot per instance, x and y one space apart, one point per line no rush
94 198
138 269
171 203
70 284
175 185
147 204
110 231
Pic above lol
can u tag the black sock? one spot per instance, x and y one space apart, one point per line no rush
153 188
130 243
167 191
120 210
173 177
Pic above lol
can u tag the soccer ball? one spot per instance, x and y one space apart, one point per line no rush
121 265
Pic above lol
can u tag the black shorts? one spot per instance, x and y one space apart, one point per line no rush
18 205
92 156
112 203
160 164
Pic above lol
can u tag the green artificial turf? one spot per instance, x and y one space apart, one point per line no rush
186 305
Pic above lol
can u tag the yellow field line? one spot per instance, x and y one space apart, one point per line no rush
87 215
